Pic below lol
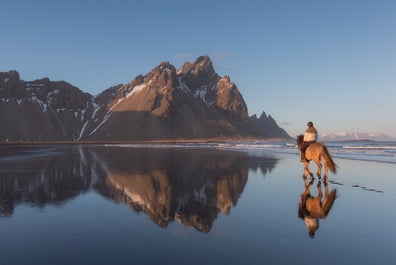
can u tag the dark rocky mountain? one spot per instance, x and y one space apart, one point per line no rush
41 110
193 102
268 127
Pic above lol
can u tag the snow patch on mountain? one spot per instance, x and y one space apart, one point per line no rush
136 90
183 86
106 117
202 92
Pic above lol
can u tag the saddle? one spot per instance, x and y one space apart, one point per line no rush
305 145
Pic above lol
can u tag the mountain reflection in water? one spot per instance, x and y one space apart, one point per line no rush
191 186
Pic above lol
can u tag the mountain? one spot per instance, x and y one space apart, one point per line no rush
268 126
193 102
41 109
355 136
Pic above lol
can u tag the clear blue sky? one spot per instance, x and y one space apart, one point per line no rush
332 62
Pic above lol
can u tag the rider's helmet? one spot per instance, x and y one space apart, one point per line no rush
310 123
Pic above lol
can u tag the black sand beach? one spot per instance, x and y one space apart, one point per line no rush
93 204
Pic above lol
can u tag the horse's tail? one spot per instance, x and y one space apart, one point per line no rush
329 202
329 160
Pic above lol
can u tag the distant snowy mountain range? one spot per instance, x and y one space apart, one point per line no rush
354 136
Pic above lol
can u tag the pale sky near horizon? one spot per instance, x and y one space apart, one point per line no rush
331 62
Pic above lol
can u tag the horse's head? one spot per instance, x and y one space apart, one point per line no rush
300 139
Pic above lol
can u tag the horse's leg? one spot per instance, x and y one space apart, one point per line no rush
326 192
306 163
318 173
306 172
304 175
307 190
307 169
326 169
319 187
306 182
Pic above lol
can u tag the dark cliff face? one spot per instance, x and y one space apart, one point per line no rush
193 102
201 79
189 103
41 109
268 127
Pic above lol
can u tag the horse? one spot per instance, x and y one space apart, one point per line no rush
318 153
311 209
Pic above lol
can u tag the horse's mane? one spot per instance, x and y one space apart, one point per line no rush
300 139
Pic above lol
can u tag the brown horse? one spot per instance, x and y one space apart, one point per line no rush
311 209
317 152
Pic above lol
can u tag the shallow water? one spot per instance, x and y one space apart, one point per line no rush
123 205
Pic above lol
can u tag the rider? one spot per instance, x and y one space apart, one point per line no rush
310 136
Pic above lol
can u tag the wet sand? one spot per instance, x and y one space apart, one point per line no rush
102 205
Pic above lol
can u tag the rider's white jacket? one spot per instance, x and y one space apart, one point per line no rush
310 135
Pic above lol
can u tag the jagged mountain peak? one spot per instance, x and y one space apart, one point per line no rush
193 102
185 68
41 109
226 78
6 76
164 75
200 79
144 92
165 65
263 115
11 85
202 68
204 64
268 126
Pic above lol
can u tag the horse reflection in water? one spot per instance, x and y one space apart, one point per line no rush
311 208
318 153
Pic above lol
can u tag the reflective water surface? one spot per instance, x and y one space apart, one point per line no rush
86 204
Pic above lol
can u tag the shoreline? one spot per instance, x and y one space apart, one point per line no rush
174 141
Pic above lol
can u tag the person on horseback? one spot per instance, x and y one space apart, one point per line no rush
310 136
